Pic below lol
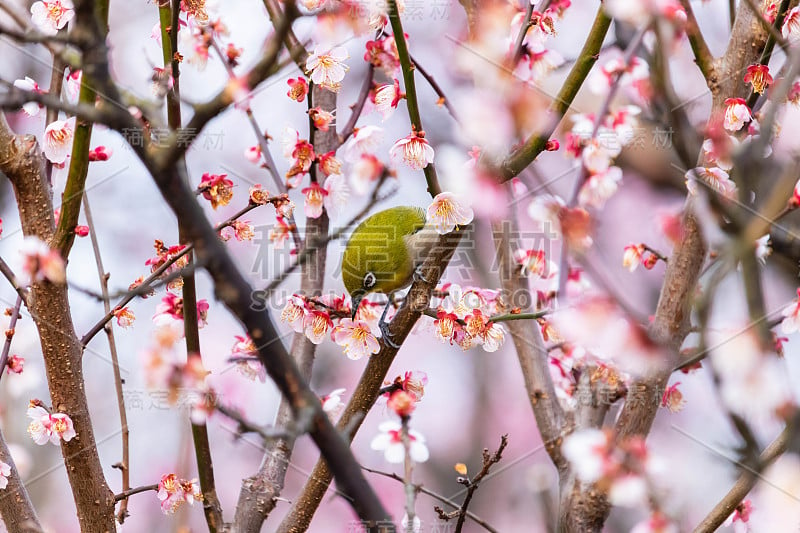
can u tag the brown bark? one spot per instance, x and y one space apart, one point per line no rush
22 161
258 492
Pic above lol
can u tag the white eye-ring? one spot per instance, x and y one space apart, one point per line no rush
369 280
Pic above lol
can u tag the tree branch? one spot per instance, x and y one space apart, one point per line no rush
535 144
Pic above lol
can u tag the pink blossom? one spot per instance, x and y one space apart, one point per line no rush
600 187
40 262
321 118
314 200
280 232
316 325
365 140
386 98
632 256
366 171
389 441
413 150
172 492
100 153
298 88
736 114
251 368
58 137
446 213
713 177
356 337
31 109
588 451
45 427
791 24
15 364
294 313
253 154
5 471
49 16
125 317
672 398
327 66
332 404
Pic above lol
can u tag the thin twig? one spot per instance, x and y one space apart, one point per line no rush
408 472
412 104
136 490
112 346
245 426
358 107
436 496
472 485
143 288
443 100
747 480
9 336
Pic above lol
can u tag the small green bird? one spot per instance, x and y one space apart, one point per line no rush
384 253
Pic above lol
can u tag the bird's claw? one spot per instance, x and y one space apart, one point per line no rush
418 275
387 335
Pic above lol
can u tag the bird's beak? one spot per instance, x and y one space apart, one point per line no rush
356 302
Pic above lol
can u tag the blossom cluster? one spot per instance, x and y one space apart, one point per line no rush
173 491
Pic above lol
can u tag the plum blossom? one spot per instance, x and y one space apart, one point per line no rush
758 75
386 97
791 313
401 403
356 337
673 398
46 427
365 140
329 164
125 317
446 213
171 308
413 150
172 492
656 523
280 232
753 382
600 187
100 153
337 194
31 109
316 325
327 67
40 262
389 441
314 200
632 256
534 264
736 114
5 471
15 364
49 16
332 403
713 177
58 136
741 515
250 366
366 171
763 249
587 450
298 88
216 188
321 118
791 24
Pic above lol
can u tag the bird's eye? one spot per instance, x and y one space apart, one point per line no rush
369 280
